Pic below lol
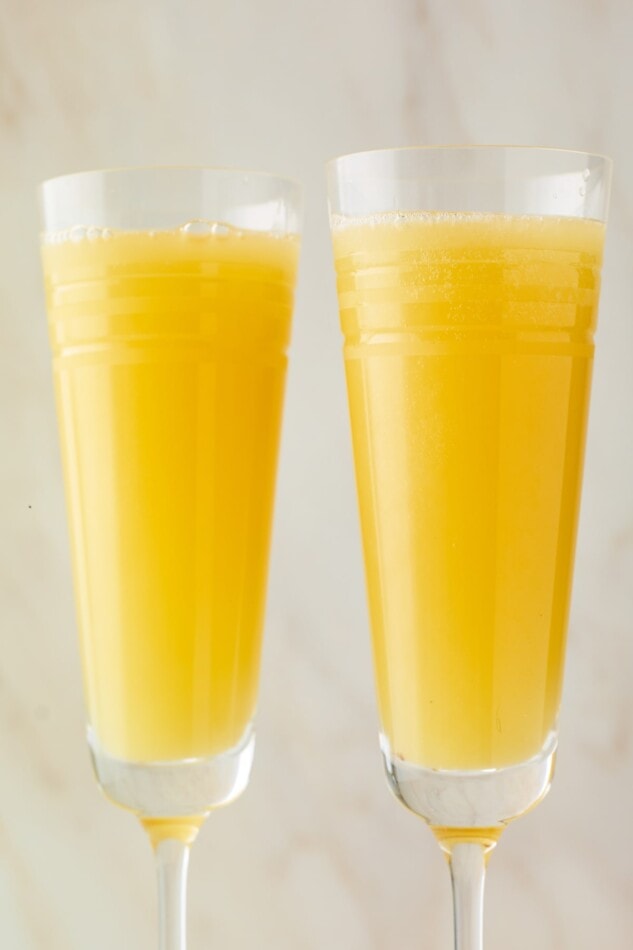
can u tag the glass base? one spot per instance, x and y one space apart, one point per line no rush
470 800
181 788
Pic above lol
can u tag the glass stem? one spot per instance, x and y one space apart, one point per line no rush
467 861
172 859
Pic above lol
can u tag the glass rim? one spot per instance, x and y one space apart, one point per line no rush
482 147
124 169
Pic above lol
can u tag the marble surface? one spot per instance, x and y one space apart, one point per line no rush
316 854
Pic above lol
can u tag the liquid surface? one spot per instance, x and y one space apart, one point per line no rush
468 345
169 355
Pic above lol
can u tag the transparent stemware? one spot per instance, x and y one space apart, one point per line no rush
468 283
169 296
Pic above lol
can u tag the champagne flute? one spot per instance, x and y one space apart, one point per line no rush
169 296
468 282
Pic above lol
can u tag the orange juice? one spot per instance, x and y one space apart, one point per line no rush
169 353
468 346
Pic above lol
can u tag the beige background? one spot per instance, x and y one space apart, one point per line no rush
316 854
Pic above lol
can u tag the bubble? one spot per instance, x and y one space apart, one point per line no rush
200 228
586 174
582 191
197 228
78 233
93 234
106 234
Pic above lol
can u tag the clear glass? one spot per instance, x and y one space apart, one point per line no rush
169 295
468 283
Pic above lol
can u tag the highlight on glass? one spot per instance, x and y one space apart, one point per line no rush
169 295
468 284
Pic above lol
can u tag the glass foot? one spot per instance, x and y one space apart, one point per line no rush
173 789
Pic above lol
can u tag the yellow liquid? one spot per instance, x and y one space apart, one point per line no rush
169 355
468 345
